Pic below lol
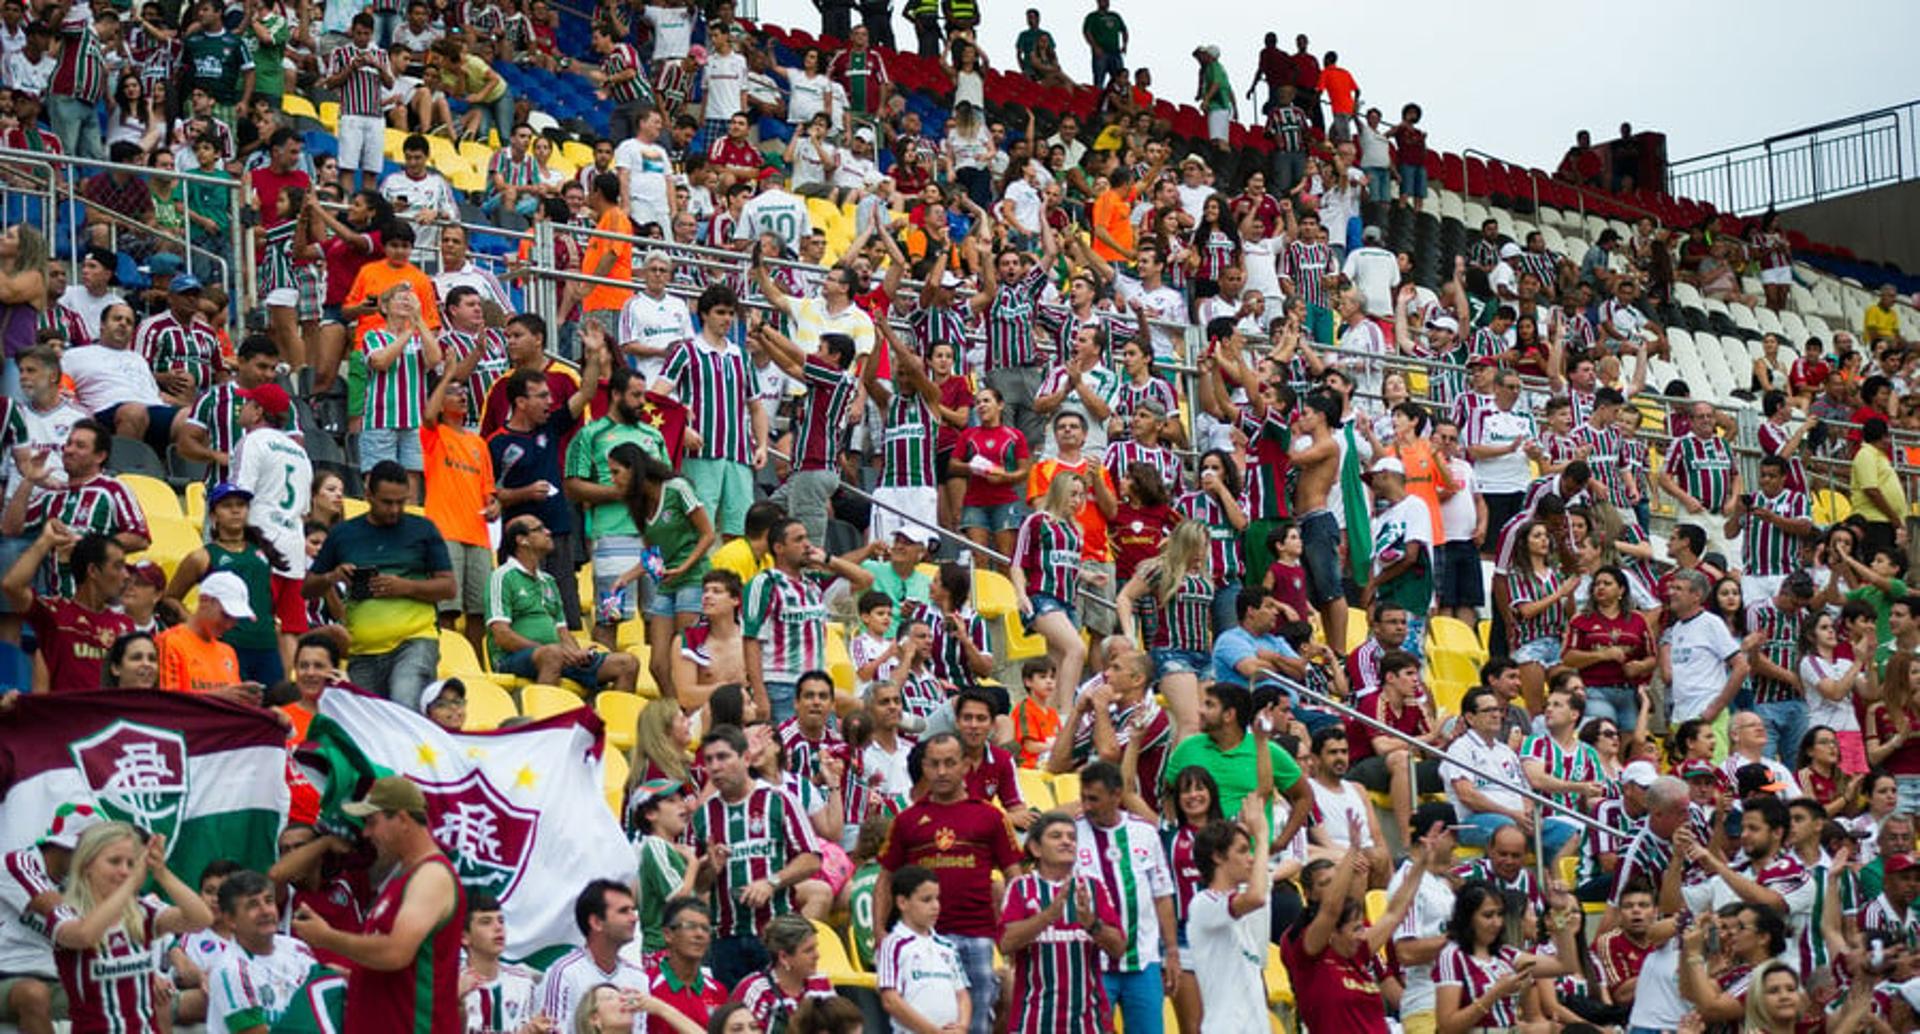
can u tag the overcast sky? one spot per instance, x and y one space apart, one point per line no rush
1518 78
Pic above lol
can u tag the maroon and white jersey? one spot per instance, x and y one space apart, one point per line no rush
1560 448
1773 438
1123 454
772 1007
995 780
110 985
26 928
1881 915
1607 458
1475 977
804 754
763 832
1523 882
1467 406
1057 986
1185 866
1617 959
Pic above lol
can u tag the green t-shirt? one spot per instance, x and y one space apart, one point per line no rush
1223 90
1106 28
587 460
671 530
1232 770
211 200
860 907
915 586
528 601
1029 39
1881 602
269 59
661 870
218 62
257 633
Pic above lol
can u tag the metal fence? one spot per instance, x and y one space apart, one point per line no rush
1844 156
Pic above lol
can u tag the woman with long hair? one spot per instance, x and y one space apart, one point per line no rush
996 458
774 993
23 291
1046 573
1479 979
660 744
104 928
1893 727
1750 936
809 90
1603 735
1831 685
1138 385
133 662
1219 505
352 241
1181 588
1537 597
1193 805
1613 651
672 520
733 1018
1055 926
134 114
327 502
1141 519
1882 798
1776 259
954 410
1214 246
1821 778
968 74
1692 740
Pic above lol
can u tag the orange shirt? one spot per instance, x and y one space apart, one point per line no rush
1093 523
613 220
190 664
373 280
1422 479
1113 213
1034 720
1341 89
459 482
301 718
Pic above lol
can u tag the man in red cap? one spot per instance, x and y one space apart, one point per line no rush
270 463
208 432
1893 910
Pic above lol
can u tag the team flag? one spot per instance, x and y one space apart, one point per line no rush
520 811
210 775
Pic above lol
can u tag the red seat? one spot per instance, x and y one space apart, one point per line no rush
1478 182
1453 173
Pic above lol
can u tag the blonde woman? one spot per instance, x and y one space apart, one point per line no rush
606 1008
1046 572
660 745
1181 640
23 293
103 929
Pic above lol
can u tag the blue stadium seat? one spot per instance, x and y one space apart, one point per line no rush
321 142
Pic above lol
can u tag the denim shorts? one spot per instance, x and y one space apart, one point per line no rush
666 603
1180 662
1544 651
1044 604
999 517
519 663
401 445
1320 542
1413 181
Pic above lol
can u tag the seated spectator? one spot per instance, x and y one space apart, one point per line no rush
1476 758
528 635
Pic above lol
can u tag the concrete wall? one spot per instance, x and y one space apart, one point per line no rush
1881 225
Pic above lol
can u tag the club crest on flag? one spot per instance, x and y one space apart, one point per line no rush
488 837
137 773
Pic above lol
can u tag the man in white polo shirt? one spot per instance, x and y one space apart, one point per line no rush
1474 761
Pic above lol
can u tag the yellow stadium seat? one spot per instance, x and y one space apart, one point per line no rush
457 658
835 963
1279 988
173 539
476 153
1830 507
613 780
469 179
487 705
644 683
1020 643
1376 905
330 115
539 700
1417 383
578 153
620 712
1485 629
824 213
1066 787
992 594
629 634
155 496
1356 630
1447 633
196 503
1035 789
297 106
1447 695
840 659
396 139
352 506
1451 665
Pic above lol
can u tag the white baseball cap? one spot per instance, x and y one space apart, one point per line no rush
1639 773
226 589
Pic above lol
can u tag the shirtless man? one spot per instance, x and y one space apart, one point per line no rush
1316 455
711 652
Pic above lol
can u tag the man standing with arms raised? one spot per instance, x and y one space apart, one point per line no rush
964 841
412 939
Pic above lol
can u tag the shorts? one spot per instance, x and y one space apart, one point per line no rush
1371 772
1046 603
1413 181
1544 651
1460 584
363 143
1320 542
56 992
401 445
331 314
472 567
356 380
519 664
613 556
289 605
310 282
915 509
282 298
666 603
1219 121
159 424
1180 662
1778 277
999 517
727 489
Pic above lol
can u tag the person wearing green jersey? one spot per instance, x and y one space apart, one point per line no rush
218 62
1106 36
668 868
674 522
269 27
590 482
236 546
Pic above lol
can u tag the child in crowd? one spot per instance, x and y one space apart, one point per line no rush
922 983
1286 580
191 957
501 993
873 650
1035 723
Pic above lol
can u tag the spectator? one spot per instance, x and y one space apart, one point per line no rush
1107 37
1875 489
268 463
591 480
1123 857
69 629
209 432
1701 662
362 74
1474 761
423 197
399 570
89 501
80 77
1410 157
863 74
675 526
527 634
194 658
785 616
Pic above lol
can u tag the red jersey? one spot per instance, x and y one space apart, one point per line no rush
1592 630
963 842
1336 992
110 985
1138 533
771 1006
695 999
1290 588
337 902
1057 987
1185 867
420 998
993 780
267 186
74 640
1616 959
1410 720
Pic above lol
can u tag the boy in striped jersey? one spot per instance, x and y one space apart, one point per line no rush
499 995
1773 524
906 498
1121 852
723 391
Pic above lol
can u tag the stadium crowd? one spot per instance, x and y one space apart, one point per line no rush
1125 465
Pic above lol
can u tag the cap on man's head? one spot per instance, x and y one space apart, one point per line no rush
149 572
1509 250
1442 321
1640 774
1389 465
69 821
1371 235
390 793
864 133
185 283
269 397
1900 863
226 490
1695 768
656 789
226 589
1756 778
1483 360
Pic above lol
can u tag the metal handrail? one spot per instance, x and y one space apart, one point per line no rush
1824 157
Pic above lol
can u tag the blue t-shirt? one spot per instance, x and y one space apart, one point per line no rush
1238 644
520 458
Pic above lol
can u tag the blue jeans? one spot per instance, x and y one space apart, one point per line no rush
1786 724
1138 997
1555 834
403 671
1226 600
1108 64
1618 704
976 957
734 959
1379 183
1477 829
78 123
780 700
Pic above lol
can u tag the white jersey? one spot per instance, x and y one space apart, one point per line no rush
25 944
46 433
1228 957
206 950
574 974
1337 807
925 969
1432 908
658 323
412 198
648 167
776 212
276 469
504 1004
247 990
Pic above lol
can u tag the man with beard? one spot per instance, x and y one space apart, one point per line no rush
589 482
1343 806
